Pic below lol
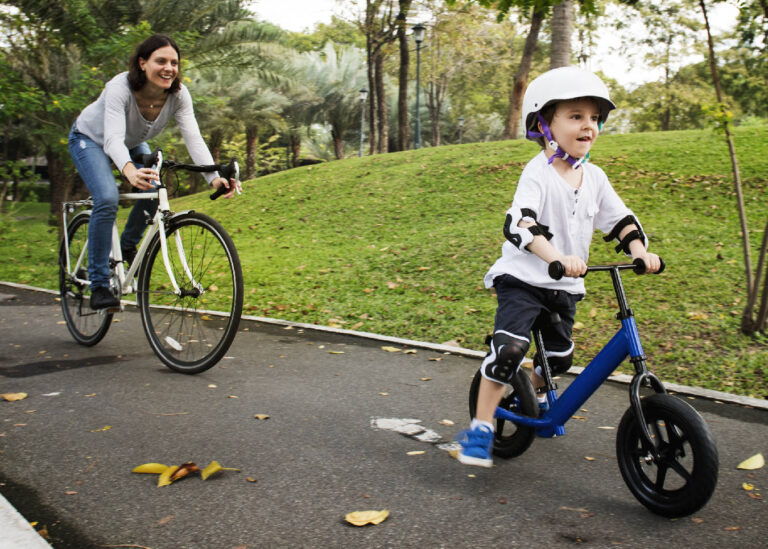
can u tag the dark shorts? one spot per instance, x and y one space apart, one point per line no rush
520 304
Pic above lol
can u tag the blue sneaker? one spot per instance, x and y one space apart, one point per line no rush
476 446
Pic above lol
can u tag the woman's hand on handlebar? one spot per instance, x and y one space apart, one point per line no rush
231 185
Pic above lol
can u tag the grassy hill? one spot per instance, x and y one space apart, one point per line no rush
398 244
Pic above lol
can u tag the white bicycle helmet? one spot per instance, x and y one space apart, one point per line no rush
561 84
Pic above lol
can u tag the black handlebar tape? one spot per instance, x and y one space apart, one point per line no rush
556 270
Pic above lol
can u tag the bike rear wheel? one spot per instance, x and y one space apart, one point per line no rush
684 477
192 331
87 326
510 440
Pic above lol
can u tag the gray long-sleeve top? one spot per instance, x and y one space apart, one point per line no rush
114 122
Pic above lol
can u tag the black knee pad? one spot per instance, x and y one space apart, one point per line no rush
507 352
557 364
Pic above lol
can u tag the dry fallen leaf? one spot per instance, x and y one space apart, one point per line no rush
165 477
212 468
588 458
183 470
165 520
391 349
13 397
152 468
416 453
446 422
105 428
261 416
755 462
362 518
335 352
410 352
747 486
732 528
70 493
426 379
250 479
384 394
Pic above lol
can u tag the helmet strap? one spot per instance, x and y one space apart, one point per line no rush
574 162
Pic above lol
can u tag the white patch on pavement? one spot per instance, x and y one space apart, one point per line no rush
412 429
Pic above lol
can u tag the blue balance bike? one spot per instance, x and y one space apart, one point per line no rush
666 452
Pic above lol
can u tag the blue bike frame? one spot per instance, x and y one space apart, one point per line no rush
625 343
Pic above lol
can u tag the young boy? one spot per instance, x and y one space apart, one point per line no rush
559 202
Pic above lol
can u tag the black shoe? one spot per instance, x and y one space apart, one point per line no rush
103 298
128 254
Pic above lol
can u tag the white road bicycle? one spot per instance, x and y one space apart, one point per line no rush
186 276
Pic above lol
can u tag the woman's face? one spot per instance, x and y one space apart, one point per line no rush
162 67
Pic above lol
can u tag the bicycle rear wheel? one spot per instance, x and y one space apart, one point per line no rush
192 331
87 326
510 440
683 478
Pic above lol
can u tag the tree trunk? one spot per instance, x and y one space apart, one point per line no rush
251 142
214 145
372 134
338 144
62 180
381 105
747 322
521 77
402 91
560 54
435 94
295 141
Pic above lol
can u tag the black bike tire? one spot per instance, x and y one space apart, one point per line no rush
153 254
105 317
672 415
517 438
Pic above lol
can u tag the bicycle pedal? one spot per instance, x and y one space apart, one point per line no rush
115 309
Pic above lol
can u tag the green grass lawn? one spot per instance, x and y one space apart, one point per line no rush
398 244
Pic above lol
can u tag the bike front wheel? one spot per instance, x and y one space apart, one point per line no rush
510 440
191 331
87 326
683 478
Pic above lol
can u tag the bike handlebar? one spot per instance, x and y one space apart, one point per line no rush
227 171
557 271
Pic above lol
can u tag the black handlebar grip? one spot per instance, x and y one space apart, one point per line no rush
641 267
218 192
227 172
556 270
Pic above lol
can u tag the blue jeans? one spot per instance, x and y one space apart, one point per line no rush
95 168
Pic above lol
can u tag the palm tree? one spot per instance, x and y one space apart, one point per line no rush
335 77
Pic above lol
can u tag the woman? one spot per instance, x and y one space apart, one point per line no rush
133 107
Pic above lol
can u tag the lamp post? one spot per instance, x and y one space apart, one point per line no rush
363 97
418 36
461 127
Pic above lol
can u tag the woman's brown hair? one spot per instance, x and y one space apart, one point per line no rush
136 76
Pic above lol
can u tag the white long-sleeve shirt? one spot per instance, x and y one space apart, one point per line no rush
571 215
115 122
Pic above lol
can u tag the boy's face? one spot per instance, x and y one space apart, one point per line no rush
575 125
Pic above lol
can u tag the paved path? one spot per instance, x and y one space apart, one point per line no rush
94 413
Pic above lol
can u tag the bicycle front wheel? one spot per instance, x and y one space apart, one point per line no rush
191 331
682 479
87 326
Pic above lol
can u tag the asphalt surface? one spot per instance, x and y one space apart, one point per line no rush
93 414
